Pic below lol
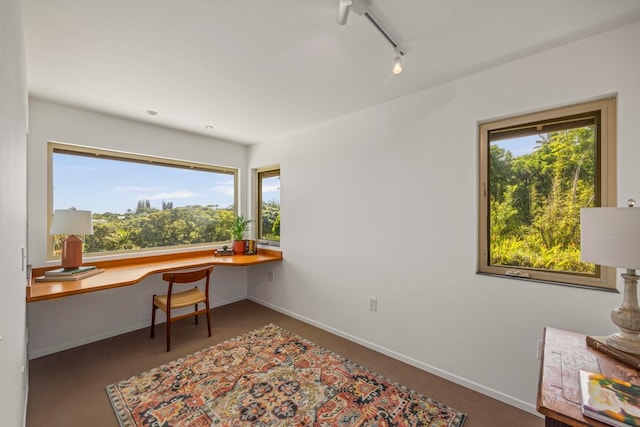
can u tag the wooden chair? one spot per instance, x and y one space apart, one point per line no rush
176 300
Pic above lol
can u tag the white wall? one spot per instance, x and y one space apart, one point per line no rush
383 203
13 213
55 325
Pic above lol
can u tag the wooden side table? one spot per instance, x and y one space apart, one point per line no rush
564 354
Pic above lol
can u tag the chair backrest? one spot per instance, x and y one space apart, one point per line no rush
188 277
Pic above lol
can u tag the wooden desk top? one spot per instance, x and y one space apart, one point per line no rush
565 353
130 271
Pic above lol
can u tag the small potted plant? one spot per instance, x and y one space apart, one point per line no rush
239 227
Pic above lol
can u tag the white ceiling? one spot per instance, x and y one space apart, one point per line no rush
256 69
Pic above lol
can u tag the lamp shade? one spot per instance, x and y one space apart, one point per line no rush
610 236
71 221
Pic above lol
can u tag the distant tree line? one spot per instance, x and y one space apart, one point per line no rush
149 227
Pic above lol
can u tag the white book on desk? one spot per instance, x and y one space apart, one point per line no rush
69 271
71 277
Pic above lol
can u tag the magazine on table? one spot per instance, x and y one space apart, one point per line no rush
610 400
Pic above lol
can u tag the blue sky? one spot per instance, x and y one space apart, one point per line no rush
518 146
101 185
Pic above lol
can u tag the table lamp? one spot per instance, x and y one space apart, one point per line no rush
611 237
71 222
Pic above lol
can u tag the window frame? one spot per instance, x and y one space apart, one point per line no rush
265 172
79 150
604 277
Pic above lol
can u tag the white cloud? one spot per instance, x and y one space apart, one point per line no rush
138 189
272 187
226 189
170 195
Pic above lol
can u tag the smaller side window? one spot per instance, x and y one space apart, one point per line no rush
536 172
268 219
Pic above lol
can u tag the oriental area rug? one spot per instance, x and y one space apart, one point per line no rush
270 377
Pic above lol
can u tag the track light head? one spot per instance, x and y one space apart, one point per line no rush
343 11
397 61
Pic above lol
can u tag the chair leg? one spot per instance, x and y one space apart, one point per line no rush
195 308
153 318
208 317
168 328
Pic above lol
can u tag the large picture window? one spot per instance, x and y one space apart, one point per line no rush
536 172
141 203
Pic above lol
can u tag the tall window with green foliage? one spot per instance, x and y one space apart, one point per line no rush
269 206
537 171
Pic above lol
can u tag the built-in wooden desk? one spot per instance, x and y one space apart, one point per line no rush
565 353
130 271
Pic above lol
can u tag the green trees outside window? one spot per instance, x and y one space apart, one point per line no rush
154 228
535 200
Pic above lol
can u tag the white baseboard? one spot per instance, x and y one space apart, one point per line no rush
108 334
509 400
26 399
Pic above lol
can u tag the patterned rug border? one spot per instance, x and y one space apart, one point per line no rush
119 409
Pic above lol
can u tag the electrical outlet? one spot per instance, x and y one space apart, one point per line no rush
373 303
270 277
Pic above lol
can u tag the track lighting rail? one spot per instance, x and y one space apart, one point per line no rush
384 32
361 8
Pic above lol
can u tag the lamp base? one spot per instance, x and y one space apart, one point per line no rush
628 342
627 317
71 256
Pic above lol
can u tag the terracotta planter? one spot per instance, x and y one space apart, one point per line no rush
238 247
